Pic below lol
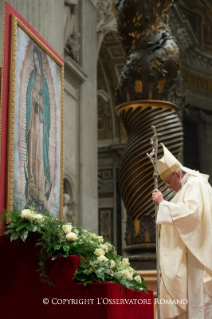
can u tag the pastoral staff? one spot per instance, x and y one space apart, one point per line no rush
185 241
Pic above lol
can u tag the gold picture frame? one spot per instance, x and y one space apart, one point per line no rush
35 123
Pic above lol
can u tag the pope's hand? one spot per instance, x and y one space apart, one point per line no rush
157 196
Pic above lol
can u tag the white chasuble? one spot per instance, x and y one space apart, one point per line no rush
186 252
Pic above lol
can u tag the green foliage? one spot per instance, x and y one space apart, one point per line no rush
99 262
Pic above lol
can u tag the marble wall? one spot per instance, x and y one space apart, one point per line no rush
45 16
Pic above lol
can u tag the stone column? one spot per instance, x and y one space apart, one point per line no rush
143 99
88 186
74 79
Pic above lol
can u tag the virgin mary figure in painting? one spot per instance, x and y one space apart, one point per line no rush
37 170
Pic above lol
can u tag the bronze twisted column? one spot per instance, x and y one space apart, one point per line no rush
143 100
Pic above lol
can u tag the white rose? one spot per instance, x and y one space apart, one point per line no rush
127 274
100 238
129 277
105 247
71 236
112 264
76 231
131 270
102 258
37 216
109 246
125 261
67 228
93 235
138 279
26 213
99 252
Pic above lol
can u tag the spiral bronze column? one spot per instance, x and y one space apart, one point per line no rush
143 100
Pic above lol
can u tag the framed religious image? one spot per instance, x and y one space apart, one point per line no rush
35 123
105 223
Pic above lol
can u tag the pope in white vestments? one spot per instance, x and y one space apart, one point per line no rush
185 242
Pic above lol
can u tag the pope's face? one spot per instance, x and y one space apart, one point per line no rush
173 181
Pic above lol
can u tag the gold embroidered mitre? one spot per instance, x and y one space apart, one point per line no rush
167 164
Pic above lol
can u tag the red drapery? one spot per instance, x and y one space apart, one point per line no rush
22 294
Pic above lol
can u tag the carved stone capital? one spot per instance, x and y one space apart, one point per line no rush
106 20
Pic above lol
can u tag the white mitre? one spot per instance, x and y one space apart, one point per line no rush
168 164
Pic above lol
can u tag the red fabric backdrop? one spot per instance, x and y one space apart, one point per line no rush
22 293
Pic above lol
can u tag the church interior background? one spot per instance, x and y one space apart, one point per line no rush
84 33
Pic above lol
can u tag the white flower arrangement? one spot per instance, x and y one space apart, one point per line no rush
71 236
37 216
67 228
127 274
30 214
26 213
109 246
102 258
112 264
99 262
123 274
105 247
138 279
100 238
125 262
99 252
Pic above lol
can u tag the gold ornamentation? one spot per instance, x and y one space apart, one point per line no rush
147 239
143 104
2 75
160 86
170 170
128 97
138 86
137 226
11 122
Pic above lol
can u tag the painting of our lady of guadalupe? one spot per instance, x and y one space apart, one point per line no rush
37 171
38 132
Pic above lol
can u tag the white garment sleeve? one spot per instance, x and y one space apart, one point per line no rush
164 216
